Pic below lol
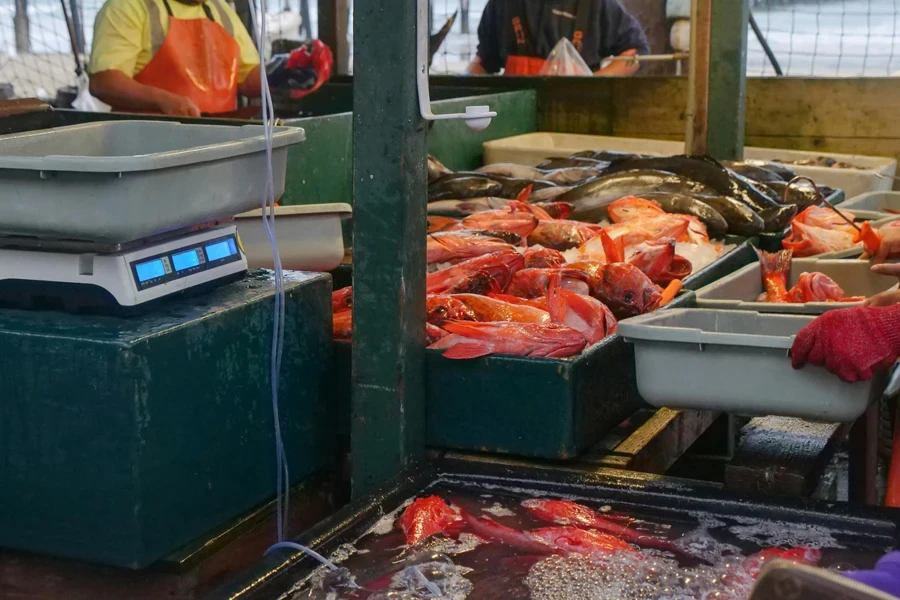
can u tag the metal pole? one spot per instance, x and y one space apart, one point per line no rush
20 25
333 19
305 20
765 45
389 195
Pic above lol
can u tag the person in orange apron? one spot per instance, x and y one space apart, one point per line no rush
517 35
181 58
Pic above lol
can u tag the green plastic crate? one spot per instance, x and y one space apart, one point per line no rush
122 440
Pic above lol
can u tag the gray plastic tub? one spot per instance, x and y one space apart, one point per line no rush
739 290
871 204
737 362
876 223
118 181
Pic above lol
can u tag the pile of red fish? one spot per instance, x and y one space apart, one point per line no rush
495 296
818 230
575 529
811 287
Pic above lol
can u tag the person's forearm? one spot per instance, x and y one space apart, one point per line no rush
122 92
475 67
251 86
620 67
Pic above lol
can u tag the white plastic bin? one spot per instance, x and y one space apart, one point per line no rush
739 290
534 148
737 362
871 205
309 237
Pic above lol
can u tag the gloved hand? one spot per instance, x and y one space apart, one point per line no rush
885 576
853 343
890 244
303 71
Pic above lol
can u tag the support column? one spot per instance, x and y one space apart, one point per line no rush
389 195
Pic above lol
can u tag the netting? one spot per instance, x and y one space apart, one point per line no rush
39 60
827 38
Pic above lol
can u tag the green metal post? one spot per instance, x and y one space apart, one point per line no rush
727 78
389 191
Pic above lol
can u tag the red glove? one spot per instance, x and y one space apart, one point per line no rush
318 58
853 343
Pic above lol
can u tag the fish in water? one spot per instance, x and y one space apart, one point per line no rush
480 275
548 194
446 246
517 217
682 204
428 516
591 199
440 308
342 299
565 512
658 261
709 172
808 240
561 234
548 540
342 325
458 188
754 564
471 340
741 219
436 169
464 208
511 170
543 258
582 313
488 309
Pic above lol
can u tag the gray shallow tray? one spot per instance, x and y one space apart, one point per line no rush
737 362
739 290
870 204
118 181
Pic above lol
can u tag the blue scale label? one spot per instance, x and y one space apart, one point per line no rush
169 266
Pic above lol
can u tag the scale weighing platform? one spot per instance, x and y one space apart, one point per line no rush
121 278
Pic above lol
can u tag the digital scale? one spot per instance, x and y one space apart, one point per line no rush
118 278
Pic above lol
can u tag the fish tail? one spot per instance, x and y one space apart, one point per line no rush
556 304
774 263
525 193
614 249
469 349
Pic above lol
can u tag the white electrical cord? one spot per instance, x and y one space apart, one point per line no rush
282 485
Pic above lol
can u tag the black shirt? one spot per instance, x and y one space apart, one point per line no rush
610 30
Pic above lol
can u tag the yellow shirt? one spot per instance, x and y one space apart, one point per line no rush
123 40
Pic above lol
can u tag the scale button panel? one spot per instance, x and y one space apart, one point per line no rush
185 261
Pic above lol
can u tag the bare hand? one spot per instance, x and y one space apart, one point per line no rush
888 298
890 245
888 269
177 106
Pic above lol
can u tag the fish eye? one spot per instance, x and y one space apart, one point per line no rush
628 298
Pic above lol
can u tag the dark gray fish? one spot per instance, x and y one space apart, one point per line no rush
436 169
511 170
463 208
548 194
753 172
611 155
778 218
709 172
740 218
459 188
590 199
551 164
800 194
572 175
786 173
716 225
512 187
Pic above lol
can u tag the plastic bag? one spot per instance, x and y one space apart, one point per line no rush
84 101
565 60
315 56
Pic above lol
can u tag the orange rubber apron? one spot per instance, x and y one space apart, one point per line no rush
525 61
199 60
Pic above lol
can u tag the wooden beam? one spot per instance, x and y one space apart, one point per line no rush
697 112
389 194
727 78
333 23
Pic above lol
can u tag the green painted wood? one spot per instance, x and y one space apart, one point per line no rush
727 78
389 196
124 439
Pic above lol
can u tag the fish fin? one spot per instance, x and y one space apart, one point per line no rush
774 262
463 350
525 193
613 249
556 304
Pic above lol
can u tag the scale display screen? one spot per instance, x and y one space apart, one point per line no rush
185 261
150 270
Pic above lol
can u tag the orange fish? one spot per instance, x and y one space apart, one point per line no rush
516 217
471 340
754 564
548 540
825 218
582 313
540 303
562 235
774 268
818 287
808 240
440 308
342 325
480 275
447 246
631 207
556 210
426 517
543 258
342 299
438 223
433 333
488 309
534 283
658 261
620 286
